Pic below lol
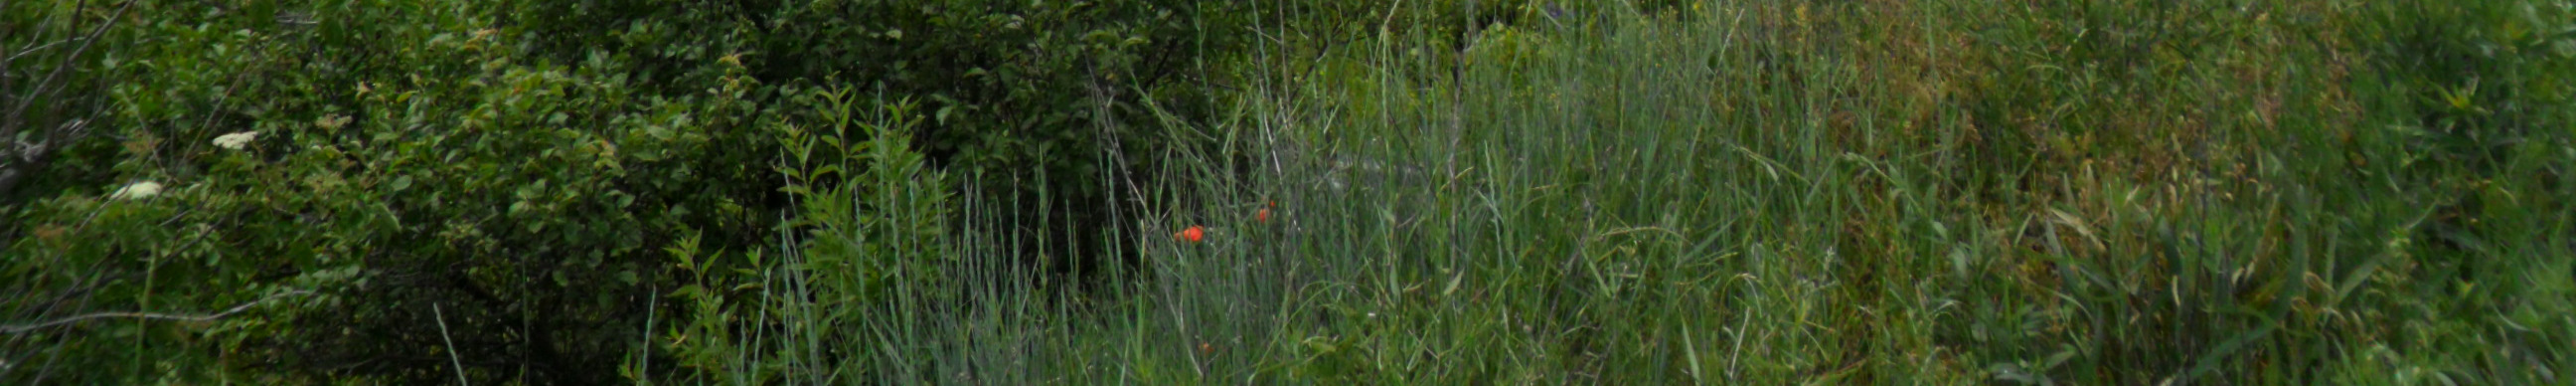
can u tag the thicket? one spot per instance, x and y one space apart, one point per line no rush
389 189
386 185
392 186
1435 191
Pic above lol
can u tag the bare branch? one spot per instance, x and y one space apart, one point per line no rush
53 79
5 83
24 158
13 329
31 50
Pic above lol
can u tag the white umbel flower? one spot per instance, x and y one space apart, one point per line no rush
137 191
235 141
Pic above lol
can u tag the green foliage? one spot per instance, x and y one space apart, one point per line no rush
2466 121
521 165
1032 99
1429 191
873 211
1819 192
871 245
2328 187
403 157
47 96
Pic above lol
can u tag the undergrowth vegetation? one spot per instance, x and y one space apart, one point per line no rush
1681 192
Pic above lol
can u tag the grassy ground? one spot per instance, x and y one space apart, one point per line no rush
1682 192
1871 192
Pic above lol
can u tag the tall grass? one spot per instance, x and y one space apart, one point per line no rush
1938 192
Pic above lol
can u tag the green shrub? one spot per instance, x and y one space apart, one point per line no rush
1027 100
437 184
1465 191
869 244
444 194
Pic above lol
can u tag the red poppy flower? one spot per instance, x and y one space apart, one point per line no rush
1263 216
1194 234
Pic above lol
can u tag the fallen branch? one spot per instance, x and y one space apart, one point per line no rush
13 329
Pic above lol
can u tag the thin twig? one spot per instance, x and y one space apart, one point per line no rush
51 79
454 361
33 50
14 119
643 373
13 329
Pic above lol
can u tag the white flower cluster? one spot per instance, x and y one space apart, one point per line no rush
235 141
137 191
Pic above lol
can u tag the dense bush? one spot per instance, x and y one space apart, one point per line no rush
872 240
1030 100
407 185
824 191
403 185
